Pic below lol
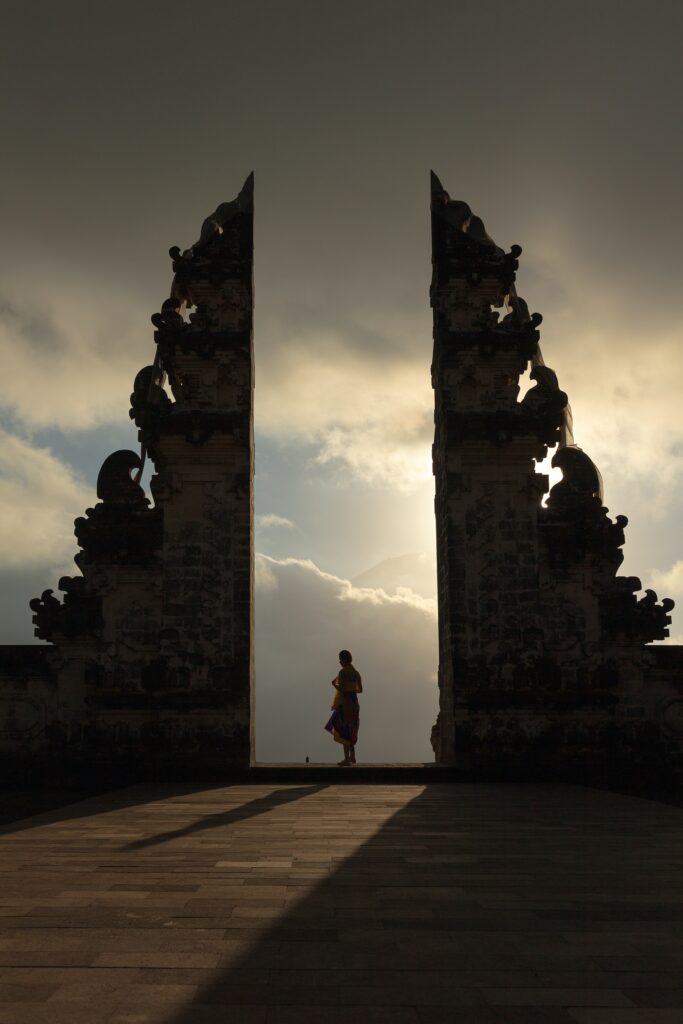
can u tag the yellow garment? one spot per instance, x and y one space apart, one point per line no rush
349 681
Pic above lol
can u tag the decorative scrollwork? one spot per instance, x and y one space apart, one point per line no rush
149 402
114 482
581 483
78 615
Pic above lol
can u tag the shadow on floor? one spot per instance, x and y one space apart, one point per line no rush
26 807
30 807
467 904
259 806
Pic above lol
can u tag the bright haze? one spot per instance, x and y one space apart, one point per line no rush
125 124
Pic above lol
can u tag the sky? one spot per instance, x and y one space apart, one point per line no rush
125 125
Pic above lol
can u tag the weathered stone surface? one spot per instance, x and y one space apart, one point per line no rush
154 643
543 656
545 663
388 903
28 695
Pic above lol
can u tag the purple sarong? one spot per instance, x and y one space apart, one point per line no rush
345 720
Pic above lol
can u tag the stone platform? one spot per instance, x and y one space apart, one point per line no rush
268 903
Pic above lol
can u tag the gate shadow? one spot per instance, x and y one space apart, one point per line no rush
261 805
418 905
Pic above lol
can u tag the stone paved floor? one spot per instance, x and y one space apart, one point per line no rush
405 904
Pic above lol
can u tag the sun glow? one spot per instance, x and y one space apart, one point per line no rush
545 467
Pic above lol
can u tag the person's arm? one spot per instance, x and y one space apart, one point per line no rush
360 683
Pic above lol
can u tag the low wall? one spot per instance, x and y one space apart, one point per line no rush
666 675
28 697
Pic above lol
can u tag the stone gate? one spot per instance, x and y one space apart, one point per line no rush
152 656
544 663
545 660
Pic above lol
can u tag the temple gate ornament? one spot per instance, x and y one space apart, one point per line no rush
156 638
546 662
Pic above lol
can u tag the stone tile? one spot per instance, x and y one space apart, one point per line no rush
634 1016
672 964
456 1015
651 980
489 1015
341 1015
291 955
26 993
114 993
8 958
656 997
194 977
190 1015
402 903
57 976
555 997
53 1013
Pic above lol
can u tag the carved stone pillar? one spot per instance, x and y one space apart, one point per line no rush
543 664
203 451
487 491
155 640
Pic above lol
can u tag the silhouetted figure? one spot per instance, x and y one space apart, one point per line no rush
345 718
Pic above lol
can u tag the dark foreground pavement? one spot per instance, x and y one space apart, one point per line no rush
384 904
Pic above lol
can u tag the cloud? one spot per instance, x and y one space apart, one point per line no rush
627 413
668 582
70 354
304 616
367 408
414 573
358 388
620 361
39 499
353 380
360 394
270 519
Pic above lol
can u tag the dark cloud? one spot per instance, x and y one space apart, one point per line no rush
126 124
31 327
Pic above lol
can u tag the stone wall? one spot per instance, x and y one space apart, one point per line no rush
28 697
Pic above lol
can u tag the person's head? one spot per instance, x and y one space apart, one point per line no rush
345 658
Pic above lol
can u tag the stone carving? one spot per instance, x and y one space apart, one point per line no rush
545 659
545 405
182 569
121 528
471 276
216 222
566 430
575 523
541 645
581 483
149 402
48 614
80 613
115 483
673 716
459 218
519 316
198 278
630 619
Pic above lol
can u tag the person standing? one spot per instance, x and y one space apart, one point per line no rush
345 719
